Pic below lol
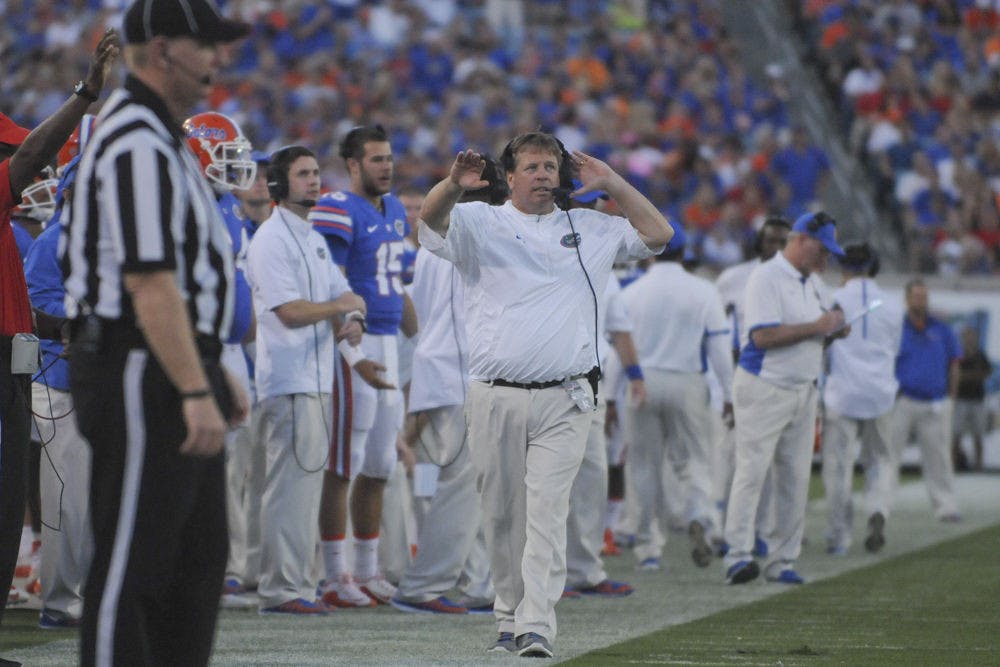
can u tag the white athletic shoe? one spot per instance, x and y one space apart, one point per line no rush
378 589
16 596
344 592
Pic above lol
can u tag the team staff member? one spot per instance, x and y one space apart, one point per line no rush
676 315
451 547
365 228
858 395
300 299
28 154
64 471
585 573
529 278
732 282
927 370
774 396
149 268
971 414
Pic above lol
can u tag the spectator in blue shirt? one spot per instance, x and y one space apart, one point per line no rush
804 166
927 370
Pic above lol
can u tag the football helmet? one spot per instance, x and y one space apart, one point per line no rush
224 153
38 200
74 145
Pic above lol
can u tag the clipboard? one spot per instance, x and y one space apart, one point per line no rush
857 316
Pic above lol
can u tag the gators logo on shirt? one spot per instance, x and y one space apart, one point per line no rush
570 240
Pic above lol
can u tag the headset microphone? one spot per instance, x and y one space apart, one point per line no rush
561 196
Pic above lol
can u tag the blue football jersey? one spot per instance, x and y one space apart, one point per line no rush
229 206
375 243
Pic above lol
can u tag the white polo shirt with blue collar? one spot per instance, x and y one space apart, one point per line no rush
776 294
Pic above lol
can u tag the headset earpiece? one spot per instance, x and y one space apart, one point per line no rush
566 174
277 179
277 170
507 157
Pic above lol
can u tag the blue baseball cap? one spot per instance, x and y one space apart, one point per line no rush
821 227
588 197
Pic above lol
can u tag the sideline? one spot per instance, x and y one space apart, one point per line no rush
678 594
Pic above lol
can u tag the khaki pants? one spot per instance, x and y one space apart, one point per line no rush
526 446
773 425
64 476
672 425
448 522
843 439
929 422
295 431
587 502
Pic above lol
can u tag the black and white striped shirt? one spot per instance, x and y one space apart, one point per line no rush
141 203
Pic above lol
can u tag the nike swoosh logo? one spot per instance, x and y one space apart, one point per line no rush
372 228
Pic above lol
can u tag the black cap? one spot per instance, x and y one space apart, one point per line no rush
199 19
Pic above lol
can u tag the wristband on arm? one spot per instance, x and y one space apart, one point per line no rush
352 354
634 372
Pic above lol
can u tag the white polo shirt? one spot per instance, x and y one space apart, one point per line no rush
731 284
861 383
613 316
440 360
675 314
778 294
288 260
529 309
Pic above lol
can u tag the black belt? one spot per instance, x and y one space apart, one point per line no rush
542 385
97 334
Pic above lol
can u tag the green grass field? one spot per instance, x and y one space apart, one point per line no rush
931 597
937 606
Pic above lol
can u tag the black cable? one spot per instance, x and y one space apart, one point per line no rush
44 445
319 383
577 239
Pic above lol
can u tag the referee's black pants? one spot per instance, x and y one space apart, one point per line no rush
15 433
159 518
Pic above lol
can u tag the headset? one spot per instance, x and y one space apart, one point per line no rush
770 221
277 170
819 221
561 196
861 258
496 192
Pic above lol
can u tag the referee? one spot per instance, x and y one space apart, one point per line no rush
149 264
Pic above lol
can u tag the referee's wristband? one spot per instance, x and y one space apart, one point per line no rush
634 372
197 393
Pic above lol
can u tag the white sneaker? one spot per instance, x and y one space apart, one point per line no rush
378 589
344 592
16 596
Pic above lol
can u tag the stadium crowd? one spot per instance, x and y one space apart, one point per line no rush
657 89
918 89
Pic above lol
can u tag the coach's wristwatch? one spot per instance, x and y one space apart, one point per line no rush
81 89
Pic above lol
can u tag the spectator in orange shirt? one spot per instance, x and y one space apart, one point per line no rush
703 211
590 68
